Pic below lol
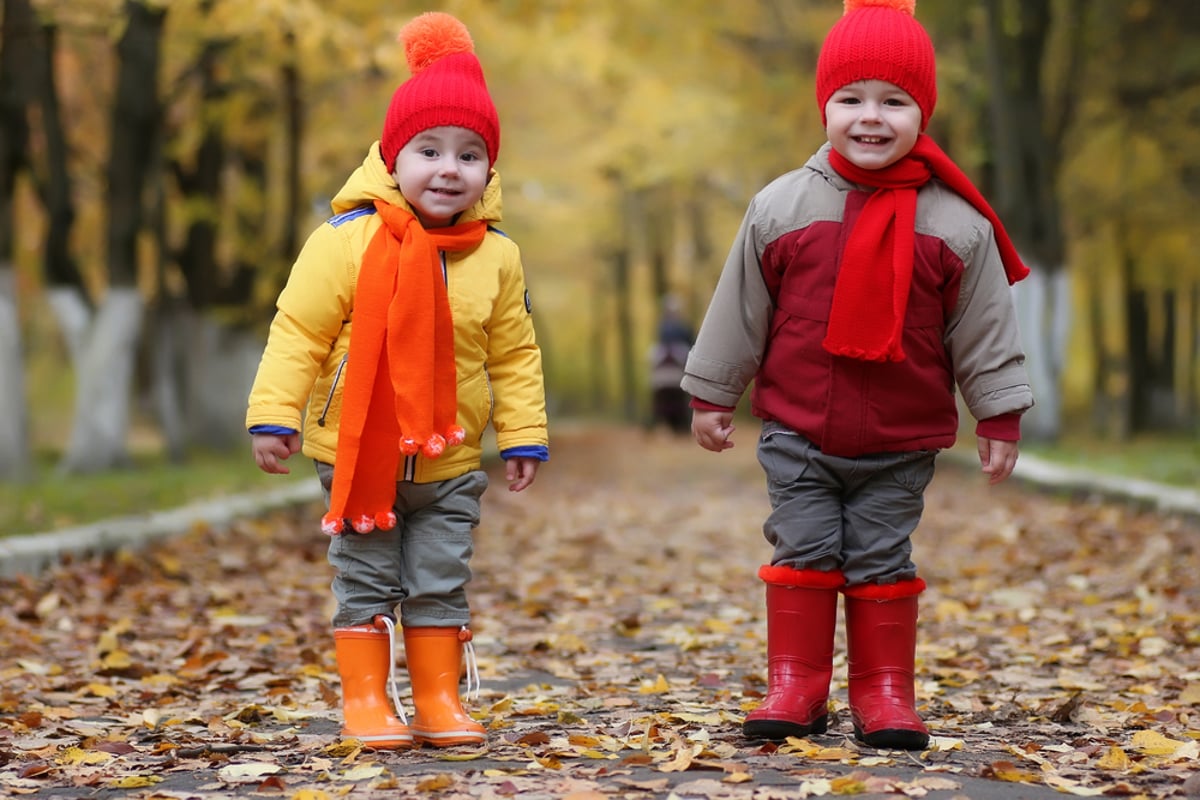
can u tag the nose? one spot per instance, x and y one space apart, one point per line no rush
448 165
870 111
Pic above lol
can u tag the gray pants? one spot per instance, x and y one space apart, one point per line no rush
422 565
852 514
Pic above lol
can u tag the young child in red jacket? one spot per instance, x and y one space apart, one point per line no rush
861 288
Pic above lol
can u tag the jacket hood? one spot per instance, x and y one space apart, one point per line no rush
372 181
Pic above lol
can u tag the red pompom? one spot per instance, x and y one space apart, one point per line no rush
431 36
331 525
409 446
385 520
456 435
362 524
907 6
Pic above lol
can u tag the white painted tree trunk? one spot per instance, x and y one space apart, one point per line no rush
104 370
219 382
1044 310
14 416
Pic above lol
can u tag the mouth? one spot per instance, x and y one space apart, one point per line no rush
873 140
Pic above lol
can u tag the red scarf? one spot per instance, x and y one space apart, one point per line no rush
875 274
400 391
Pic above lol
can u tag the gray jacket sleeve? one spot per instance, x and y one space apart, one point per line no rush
732 338
982 335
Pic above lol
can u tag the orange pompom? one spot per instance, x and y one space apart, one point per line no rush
409 446
431 36
907 6
434 446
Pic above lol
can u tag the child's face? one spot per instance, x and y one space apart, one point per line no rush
442 172
873 124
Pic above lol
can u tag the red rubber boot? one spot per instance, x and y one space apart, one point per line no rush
881 639
801 620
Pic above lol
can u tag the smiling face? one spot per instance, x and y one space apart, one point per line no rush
442 172
872 123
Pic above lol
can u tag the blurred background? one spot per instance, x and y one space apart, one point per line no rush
161 163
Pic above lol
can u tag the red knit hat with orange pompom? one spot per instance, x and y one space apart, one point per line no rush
446 88
879 40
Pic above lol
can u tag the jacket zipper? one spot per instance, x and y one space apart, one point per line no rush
337 376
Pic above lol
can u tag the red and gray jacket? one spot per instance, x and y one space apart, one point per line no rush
769 313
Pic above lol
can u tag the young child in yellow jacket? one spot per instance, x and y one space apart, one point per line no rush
443 341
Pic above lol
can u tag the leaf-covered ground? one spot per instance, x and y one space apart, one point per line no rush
620 632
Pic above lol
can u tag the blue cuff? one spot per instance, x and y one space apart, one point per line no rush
277 430
538 451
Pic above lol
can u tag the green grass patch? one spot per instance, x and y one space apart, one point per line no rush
1173 460
50 501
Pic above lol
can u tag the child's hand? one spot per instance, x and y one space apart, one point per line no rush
272 448
997 457
520 471
712 429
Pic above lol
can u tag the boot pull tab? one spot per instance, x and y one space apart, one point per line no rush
472 664
384 621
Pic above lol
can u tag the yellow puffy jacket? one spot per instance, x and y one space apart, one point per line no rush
498 361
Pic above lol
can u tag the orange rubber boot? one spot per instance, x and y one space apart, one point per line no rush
435 658
881 642
801 621
364 656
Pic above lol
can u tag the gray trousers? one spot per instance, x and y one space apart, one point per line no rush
852 514
422 565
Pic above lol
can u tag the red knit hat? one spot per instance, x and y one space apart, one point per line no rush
446 87
879 40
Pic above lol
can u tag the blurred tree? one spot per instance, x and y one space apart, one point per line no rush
20 40
105 367
633 140
1132 185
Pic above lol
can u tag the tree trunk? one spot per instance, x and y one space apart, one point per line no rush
1027 144
14 437
104 384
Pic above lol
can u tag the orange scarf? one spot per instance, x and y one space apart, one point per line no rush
870 297
400 391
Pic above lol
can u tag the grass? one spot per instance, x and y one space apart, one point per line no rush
50 501
1173 460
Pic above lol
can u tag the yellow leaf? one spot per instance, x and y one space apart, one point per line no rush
660 686
463 756
848 784
98 690
362 772
1007 771
944 743
1155 744
135 782
309 794
1190 695
1115 760
74 756
436 783
117 659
